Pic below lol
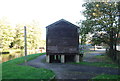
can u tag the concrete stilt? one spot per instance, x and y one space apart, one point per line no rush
62 58
48 58
55 57
77 58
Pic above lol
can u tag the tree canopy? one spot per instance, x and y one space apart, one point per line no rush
13 36
103 21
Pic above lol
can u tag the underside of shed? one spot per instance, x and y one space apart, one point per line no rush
62 58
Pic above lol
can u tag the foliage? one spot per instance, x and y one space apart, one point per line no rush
99 38
13 36
103 17
11 70
6 33
33 35
84 29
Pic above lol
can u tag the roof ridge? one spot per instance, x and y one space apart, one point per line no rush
60 21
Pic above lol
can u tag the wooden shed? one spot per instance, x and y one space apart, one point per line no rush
62 42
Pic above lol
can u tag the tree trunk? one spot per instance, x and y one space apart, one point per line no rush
111 44
94 47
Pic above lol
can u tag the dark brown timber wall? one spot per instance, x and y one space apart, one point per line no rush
62 38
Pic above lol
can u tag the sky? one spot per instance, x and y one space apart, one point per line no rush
44 11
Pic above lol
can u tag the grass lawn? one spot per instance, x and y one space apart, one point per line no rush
105 58
107 77
106 62
11 69
99 64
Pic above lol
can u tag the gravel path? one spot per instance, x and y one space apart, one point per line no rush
71 71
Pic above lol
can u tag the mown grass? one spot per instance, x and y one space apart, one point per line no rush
106 62
12 70
99 64
106 77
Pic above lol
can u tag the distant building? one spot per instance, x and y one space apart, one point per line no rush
62 42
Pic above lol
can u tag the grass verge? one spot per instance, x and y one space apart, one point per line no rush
107 77
105 62
99 64
11 69
105 58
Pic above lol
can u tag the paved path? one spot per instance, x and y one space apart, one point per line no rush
71 71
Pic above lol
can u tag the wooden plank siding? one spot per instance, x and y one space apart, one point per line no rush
62 37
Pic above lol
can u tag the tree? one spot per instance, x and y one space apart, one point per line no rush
13 36
103 15
6 33
33 34
18 42
100 38
84 29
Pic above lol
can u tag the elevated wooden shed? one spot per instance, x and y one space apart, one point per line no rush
62 42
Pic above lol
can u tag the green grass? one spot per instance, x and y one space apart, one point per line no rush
105 59
98 64
106 62
107 77
12 70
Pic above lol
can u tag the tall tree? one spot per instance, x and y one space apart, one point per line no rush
13 36
103 16
84 29
6 33
18 41
34 34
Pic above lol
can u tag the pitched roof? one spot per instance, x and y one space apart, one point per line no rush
59 21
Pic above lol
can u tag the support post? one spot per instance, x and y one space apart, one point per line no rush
62 58
48 58
55 57
77 58
25 40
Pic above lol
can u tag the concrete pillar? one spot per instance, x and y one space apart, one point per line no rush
55 57
77 58
62 58
48 58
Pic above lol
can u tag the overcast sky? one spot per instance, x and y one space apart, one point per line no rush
44 11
